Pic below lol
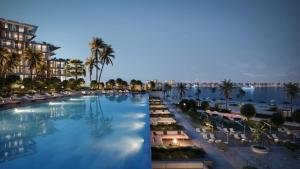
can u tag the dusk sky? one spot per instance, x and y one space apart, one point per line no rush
254 40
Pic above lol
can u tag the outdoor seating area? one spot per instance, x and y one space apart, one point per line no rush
165 132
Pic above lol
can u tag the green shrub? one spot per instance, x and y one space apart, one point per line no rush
186 105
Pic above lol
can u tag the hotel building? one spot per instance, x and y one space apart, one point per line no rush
16 36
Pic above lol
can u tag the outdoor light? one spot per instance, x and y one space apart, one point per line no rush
184 104
175 141
22 87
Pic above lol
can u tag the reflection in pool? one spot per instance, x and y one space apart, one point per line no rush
109 131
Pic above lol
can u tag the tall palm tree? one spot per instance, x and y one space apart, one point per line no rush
34 59
292 90
198 92
106 57
181 89
90 63
9 62
226 86
96 45
241 94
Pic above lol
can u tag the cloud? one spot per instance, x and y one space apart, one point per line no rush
253 75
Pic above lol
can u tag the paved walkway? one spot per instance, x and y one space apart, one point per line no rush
214 154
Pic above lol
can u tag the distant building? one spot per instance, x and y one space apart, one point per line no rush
16 36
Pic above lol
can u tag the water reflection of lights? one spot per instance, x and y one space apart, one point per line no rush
88 96
76 99
28 110
58 103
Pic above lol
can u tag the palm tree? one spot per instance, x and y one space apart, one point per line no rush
241 94
226 86
12 60
90 63
34 59
166 89
106 57
292 90
258 130
96 45
181 89
213 90
198 92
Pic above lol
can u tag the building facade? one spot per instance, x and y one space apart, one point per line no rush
16 36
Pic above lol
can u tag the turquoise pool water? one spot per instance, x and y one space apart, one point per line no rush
86 132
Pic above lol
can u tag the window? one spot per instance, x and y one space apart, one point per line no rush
6 26
21 29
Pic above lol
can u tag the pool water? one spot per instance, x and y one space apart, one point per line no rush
85 132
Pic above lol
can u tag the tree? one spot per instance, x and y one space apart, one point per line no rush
96 45
292 90
227 86
166 89
205 105
90 63
152 85
34 59
296 115
110 83
241 94
258 130
182 90
12 62
213 91
106 57
248 110
75 68
93 84
198 92
277 119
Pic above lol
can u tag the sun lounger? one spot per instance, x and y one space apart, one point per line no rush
287 131
276 139
197 130
211 141
203 130
244 138
226 130
212 136
236 136
218 141
281 130
204 135
231 130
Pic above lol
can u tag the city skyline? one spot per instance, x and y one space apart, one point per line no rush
194 41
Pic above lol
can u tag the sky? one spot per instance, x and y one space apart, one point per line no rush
182 40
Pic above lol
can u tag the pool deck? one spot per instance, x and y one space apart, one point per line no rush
238 156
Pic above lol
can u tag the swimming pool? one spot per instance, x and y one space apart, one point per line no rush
77 133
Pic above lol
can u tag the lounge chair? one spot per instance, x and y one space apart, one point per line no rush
212 136
226 130
281 130
218 141
204 135
231 130
244 138
276 139
197 130
236 136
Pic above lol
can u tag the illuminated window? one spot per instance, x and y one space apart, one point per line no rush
21 29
